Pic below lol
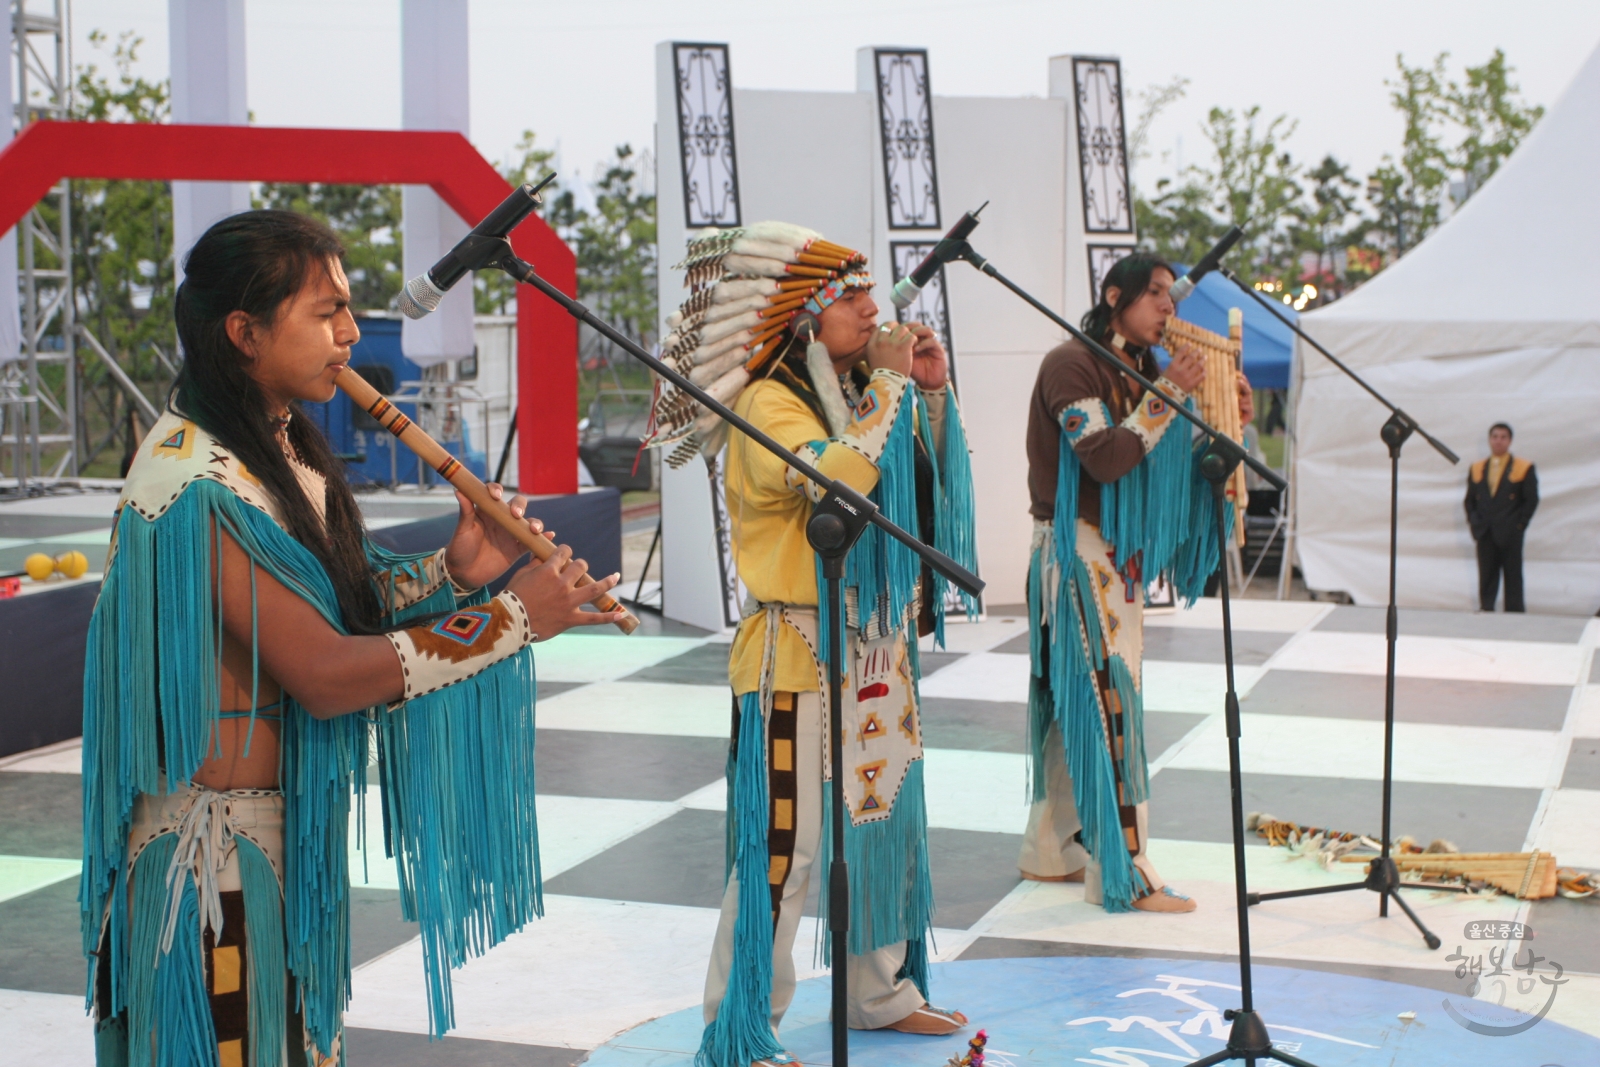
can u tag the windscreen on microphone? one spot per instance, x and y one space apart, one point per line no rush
907 289
1184 286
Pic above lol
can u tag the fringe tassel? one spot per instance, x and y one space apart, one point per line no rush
891 888
170 1013
263 911
742 1031
916 965
954 511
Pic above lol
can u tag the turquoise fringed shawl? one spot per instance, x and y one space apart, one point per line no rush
1160 511
456 767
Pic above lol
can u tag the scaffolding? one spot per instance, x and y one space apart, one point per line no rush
40 416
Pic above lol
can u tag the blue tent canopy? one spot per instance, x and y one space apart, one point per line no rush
1268 343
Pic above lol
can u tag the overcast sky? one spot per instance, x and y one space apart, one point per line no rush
580 73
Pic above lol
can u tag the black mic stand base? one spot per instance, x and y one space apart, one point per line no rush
1384 876
1248 1039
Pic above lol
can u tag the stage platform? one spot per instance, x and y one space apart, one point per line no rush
1143 1013
42 631
1498 749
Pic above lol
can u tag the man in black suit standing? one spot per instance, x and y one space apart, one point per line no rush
1502 493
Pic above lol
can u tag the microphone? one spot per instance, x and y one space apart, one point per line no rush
1185 285
481 248
907 289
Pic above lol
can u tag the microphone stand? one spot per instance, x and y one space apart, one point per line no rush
1248 1038
1384 877
835 525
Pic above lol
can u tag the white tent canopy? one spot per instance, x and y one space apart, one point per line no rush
1493 318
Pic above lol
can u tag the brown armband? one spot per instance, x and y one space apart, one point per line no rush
459 645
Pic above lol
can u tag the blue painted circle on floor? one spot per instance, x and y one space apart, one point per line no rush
1114 1012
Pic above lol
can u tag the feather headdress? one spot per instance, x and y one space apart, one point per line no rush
746 286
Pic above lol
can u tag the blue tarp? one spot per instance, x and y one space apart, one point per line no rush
1268 343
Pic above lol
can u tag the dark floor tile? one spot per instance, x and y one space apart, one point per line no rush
589 763
1163 729
1194 806
677 861
40 947
972 871
1001 948
977 725
1565 629
1006 610
41 815
705 665
1432 700
1188 644
393 1049
1594 671
935 661
1583 765
550 689
1567 932
1016 646
375 922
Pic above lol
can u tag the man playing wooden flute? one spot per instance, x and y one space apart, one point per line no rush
248 644
1117 501
869 405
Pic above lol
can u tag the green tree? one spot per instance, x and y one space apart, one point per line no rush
367 219
1326 223
616 245
1408 191
1492 120
1177 223
1253 184
121 260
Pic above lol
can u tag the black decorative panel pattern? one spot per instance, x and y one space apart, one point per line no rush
931 306
705 135
1102 146
1101 260
905 113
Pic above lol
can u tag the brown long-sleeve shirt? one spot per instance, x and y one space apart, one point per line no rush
1071 373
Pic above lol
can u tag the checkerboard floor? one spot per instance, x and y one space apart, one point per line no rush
1497 748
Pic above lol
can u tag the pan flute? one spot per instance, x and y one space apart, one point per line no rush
1218 398
1524 875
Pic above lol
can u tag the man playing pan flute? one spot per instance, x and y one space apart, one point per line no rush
781 326
1117 501
248 644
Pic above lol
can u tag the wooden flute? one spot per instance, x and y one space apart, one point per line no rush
450 469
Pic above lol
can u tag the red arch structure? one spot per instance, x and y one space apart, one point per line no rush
547 338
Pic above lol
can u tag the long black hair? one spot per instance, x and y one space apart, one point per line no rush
256 262
1130 275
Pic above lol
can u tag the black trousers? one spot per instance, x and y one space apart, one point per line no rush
1493 559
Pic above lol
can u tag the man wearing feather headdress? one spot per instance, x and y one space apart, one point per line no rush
782 327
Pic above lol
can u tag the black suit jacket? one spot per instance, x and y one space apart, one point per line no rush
1504 514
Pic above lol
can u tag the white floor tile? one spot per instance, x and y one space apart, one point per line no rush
713 797
23 874
982 676
978 636
1458 659
1349 748
1338 926
1269 616
985 791
1571 828
587 971
64 757
572 657
45 1028
571 830
1586 723
1193 687
640 708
